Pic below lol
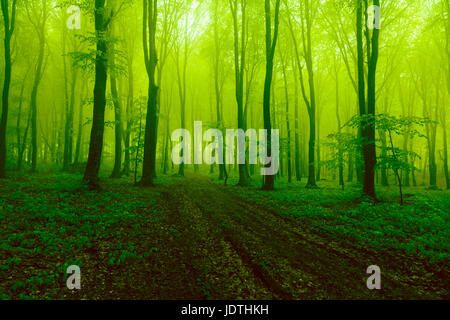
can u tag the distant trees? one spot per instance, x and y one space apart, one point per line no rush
198 66
8 29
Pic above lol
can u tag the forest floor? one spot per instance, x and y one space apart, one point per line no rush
193 238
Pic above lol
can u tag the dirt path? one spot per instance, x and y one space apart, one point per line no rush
220 246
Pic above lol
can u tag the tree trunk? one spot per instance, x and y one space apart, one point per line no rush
151 60
19 118
33 102
129 115
298 173
101 76
239 68
368 130
288 125
444 133
384 170
271 42
116 172
80 132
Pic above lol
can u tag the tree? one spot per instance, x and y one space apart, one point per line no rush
8 26
38 18
288 124
340 152
103 18
69 97
271 44
240 67
151 60
115 71
393 158
219 81
310 102
446 15
368 131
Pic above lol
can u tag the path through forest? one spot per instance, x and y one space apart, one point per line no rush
226 247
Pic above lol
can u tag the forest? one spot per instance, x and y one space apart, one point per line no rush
345 100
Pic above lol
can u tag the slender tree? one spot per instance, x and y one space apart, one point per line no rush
288 124
219 81
38 19
150 55
240 49
310 101
368 110
271 44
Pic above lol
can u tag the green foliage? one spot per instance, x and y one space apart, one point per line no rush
48 224
342 146
419 227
